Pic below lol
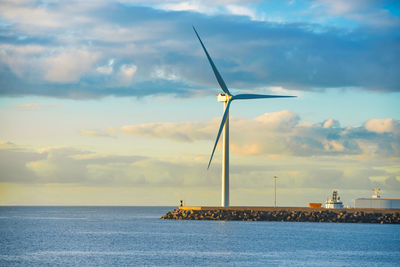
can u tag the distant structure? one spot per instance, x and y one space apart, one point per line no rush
376 202
334 202
275 190
315 205
376 195
226 97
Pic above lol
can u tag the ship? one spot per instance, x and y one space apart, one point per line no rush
334 202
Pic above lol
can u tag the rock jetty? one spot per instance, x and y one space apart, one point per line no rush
382 216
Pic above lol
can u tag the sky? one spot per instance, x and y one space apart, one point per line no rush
113 102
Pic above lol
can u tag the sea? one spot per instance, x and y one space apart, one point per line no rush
135 236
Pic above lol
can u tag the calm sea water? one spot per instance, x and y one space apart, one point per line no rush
135 236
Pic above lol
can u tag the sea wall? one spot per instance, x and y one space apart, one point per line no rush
383 216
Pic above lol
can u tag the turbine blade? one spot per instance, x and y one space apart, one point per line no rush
255 96
217 75
219 131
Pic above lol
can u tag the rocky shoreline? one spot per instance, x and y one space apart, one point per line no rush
382 216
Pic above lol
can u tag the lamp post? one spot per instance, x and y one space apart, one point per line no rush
275 190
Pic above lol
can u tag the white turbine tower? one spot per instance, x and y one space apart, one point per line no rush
227 98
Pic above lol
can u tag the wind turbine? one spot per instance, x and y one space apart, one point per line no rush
227 99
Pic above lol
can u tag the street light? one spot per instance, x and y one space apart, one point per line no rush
275 190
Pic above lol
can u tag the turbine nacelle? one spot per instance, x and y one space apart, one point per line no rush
223 97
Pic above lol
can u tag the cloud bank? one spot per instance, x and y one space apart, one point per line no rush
66 165
323 156
129 48
70 166
283 133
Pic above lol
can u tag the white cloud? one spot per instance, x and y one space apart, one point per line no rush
126 73
231 7
243 11
339 6
184 132
31 17
93 133
333 146
35 106
69 66
106 69
195 6
69 165
331 123
166 73
36 63
278 120
382 125
236 7
370 12
22 60
28 106
280 90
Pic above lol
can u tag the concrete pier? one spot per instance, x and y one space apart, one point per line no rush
286 214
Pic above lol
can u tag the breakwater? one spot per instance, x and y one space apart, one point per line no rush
382 216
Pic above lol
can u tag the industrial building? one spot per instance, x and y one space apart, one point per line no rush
376 202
